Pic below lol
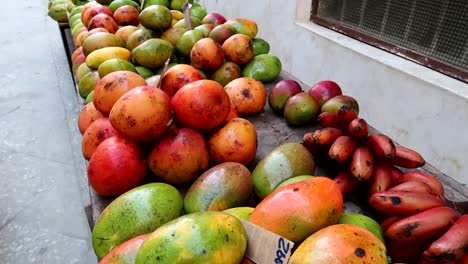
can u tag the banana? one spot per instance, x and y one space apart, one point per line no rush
412 186
346 181
358 128
406 252
437 188
423 226
381 179
308 141
451 246
177 15
318 151
95 58
407 158
381 145
396 174
400 203
326 136
342 149
362 163
387 222
327 119
345 115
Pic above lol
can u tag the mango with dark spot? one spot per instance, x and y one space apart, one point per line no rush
178 76
263 67
242 213
341 243
247 94
285 161
126 252
138 37
297 210
224 186
364 222
88 114
225 73
222 32
136 212
334 104
206 54
238 49
95 134
124 33
198 238
236 141
173 34
103 21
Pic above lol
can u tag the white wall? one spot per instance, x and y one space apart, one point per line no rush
414 105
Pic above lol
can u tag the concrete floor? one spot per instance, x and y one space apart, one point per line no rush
44 190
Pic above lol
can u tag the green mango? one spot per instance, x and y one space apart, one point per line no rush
89 98
144 72
81 71
285 161
260 46
88 83
242 213
363 221
187 40
119 3
153 53
156 2
113 65
263 68
293 180
138 211
58 12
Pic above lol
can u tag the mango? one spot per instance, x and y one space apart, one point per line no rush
76 10
301 109
119 3
156 2
136 212
126 252
95 58
283 162
334 104
144 72
113 65
58 12
156 17
263 68
224 186
179 4
198 12
73 19
87 83
242 213
363 221
138 37
173 34
194 22
260 46
124 33
101 40
153 53
81 71
89 98
187 40
225 73
244 26
293 180
198 238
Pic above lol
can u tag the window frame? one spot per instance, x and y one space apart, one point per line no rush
432 63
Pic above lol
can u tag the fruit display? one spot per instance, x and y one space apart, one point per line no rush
174 98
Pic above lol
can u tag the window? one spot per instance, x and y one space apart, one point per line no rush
432 33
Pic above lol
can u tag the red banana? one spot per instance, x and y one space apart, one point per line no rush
396 174
451 246
326 136
463 259
345 115
362 163
407 158
388 222
423 226
342 148
358 128
403 203
406 252
327 119
381 145
308 141
346 181
437 188
412 186
381 179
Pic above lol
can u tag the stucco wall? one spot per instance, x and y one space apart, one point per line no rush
414 105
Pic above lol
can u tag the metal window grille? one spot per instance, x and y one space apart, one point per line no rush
432 33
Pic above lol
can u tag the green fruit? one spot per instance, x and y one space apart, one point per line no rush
81 71
205 29
87 83
104 2
198 12
179 4
76 27
285 161
260 46
364 222
156 17
263 68
187 40
89 98
173 34
301 109
119 3
72 20
138 211
198 238
334 104
76 10
227 72
139 36
224 186
194 22
144 72
242 213
153 53
203 74
156 2
170 65
100 40
113 65
293 180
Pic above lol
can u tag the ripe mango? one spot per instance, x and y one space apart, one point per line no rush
198 238
95 58
283 162
138 211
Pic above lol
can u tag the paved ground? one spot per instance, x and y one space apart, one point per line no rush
42 217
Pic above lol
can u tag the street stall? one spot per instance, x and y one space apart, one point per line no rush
201 149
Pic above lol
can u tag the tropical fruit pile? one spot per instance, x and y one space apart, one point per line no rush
167 134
